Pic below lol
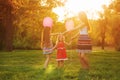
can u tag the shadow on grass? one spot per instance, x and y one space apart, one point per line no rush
83 74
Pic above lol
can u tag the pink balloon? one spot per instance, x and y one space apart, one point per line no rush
69 25
47 22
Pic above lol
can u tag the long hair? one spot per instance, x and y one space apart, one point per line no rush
84 19
46 37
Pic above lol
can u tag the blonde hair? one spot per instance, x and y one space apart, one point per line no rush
59 37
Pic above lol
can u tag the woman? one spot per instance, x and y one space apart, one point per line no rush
84 42
46 45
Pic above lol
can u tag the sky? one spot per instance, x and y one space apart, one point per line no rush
73 7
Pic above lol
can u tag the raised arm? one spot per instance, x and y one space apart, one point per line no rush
67 43
75 36
78 27
54 34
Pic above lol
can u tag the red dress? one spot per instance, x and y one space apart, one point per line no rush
61 51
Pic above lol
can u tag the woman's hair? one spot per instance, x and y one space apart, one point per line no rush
84 19
46 37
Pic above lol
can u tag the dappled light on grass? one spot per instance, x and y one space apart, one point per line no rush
56 74
49 69
28 65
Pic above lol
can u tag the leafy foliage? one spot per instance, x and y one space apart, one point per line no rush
28 24
21 24
106 29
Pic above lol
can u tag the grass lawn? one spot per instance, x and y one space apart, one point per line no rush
28 65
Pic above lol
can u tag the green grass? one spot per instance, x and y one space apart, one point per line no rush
28 65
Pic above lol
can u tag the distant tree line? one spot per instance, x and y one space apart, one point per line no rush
21 24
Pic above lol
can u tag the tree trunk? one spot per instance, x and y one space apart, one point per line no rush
6 11
2 34
8 31
103 32
103 41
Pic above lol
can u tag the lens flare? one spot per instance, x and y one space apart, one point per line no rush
73 7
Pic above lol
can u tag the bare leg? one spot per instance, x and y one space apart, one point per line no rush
47 60
83 61
58 64
62 63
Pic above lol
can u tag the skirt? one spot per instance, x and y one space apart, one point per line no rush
84 44
61 54
47 50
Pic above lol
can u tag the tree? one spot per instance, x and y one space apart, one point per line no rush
24 18
114 22
103 23
28 23
6 19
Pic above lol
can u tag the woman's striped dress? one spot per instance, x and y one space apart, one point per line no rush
84 44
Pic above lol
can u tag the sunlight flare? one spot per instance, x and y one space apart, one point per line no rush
73 7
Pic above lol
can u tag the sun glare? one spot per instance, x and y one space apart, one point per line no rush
73 7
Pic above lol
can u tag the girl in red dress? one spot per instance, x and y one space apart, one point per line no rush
61 50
